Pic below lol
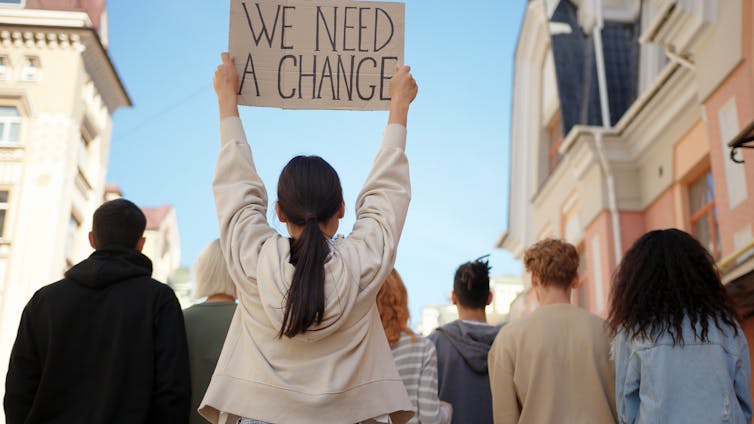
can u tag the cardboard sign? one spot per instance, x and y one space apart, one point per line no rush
316 54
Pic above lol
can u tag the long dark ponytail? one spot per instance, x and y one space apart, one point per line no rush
309 193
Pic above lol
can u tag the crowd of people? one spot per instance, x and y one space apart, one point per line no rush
311 327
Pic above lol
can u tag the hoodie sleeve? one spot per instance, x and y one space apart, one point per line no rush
24 371
381 209
171 393
241 202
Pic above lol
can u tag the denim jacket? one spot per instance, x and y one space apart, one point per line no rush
699 382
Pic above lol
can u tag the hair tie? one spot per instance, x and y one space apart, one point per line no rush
310 217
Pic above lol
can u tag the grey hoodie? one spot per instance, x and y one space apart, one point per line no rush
463 381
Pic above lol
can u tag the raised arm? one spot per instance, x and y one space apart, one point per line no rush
226 87
403 90
240 196
382 204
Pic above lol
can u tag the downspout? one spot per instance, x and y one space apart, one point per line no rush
598 134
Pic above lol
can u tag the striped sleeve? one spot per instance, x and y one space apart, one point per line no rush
429 409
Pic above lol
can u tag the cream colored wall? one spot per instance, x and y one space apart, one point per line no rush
165 260
526 128
720 51
42 173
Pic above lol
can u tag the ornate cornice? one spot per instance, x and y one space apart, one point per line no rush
83 40
63 39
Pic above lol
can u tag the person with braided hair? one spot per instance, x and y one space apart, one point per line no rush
462 346
680 355
554 365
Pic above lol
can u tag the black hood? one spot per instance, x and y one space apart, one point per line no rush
109 266
472 341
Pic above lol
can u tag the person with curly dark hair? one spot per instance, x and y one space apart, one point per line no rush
554 365
680 355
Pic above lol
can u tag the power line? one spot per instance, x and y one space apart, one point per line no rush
164 111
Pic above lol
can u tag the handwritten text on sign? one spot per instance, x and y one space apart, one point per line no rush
317 54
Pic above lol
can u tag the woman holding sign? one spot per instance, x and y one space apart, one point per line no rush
306 344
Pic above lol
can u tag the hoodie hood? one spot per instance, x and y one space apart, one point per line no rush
472 341
109 266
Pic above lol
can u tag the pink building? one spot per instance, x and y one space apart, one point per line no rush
629 116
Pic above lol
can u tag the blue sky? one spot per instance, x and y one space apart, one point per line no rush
164 148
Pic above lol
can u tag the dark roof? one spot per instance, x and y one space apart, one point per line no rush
576 70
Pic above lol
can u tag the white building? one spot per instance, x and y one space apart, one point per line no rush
58 91
163 245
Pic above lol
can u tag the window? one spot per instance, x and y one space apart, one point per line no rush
32 70
71 236
704 213
83 153
3 211
4 67
555 140
10 124
582 297
11 3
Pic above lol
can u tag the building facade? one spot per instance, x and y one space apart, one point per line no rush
163 245
629 116
58 91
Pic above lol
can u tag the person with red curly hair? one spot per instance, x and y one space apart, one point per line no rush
554 365
414 355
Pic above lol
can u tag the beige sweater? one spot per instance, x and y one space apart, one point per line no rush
342 370
553 367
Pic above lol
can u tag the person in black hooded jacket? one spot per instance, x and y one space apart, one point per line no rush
107 343
462 347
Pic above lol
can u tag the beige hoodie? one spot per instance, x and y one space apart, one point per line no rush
342 370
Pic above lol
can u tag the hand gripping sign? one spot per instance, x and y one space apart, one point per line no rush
316 54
